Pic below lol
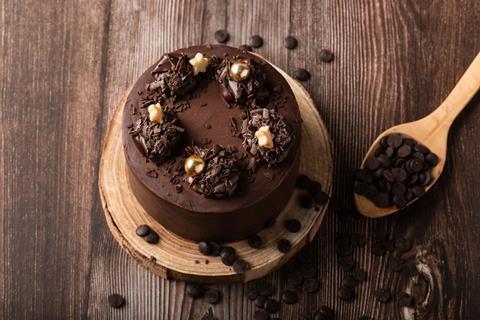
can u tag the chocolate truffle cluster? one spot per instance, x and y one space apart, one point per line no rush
266 137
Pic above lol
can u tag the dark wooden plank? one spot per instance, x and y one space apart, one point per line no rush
395 62
51 81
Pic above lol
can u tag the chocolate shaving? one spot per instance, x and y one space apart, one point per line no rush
158 141
282 136
221 175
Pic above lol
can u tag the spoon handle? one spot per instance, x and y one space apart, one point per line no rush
465 89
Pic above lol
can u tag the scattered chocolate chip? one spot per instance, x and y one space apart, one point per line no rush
195 290
204 248
383 295
290 42
212 296
326 313
289 297
215 249
294 280
306 201
266 290
228 256
378 249
272 306
302 181
349 282
222 36
116 300
255 41
311 285
284 245
314 187
346 294
142 230
252 294
260 301
261 315
255 241
269 223
241 266
301 74
346 263
320 198
326 55
308 271
292 225
396 264
152 237
405 300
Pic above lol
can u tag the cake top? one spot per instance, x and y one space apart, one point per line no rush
212 118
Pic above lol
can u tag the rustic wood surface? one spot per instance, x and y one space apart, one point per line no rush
65 64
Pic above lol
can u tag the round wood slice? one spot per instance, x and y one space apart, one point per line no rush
177 258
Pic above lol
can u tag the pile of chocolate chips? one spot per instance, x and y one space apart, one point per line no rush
221 175
397 173
282 136
228 255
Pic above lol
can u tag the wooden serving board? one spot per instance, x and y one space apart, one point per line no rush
177 258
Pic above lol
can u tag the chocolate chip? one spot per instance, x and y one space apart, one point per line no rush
260 301
204 248
116 300
320 198
215 248
405 300
314 187
431 159
396 264
222 36
255 241
290 42
306 201
294 280
372 164
212 296
252 294
383 295
289 297
346 294
302 181
261 315
228 256
245 47
349 282
301 74
399 201
269 223
326 55
241 266
378 249
152 237
347 263
195 290
326 313
311 285
255 41
142 230
308 271
359 274
395 140
382 200
292 225
284 245
404 151
272 306
422 149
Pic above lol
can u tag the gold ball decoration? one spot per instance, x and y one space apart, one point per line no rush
239 70
194 165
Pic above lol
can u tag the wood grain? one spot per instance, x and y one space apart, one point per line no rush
65 64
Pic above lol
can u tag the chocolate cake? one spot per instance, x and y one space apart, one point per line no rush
211 135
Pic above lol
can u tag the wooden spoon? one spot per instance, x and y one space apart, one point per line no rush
432 131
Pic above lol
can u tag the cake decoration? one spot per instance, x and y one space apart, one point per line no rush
258 145
239 70
199 63
155 113
194 165
221 174
157 141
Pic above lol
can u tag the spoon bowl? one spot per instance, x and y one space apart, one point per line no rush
431 131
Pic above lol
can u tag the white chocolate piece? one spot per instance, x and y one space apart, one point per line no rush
199 63
264 137
155 113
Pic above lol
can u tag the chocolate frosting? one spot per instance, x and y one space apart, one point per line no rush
208 119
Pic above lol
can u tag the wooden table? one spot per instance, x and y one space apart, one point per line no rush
65 64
